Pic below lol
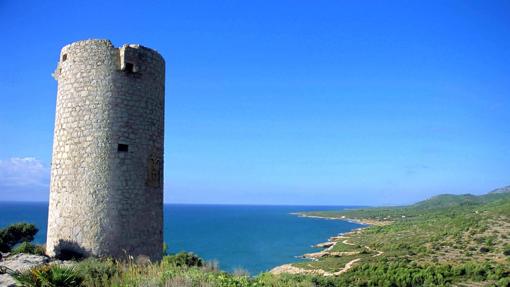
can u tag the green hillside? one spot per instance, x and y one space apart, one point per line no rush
448 200
448 237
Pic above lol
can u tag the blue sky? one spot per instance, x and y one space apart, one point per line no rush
284 102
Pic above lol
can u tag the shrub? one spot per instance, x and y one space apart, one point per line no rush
507 252
240 272
97 272
165 249
489 241
181 281
27 247
484 249
504 282
49 276
15 234
183 259
211 266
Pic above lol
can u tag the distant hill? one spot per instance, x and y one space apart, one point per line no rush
505 189
497 200
448 200
455 200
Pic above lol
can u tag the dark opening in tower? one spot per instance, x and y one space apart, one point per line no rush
122 148
130 68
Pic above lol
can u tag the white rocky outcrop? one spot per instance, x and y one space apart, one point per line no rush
18 262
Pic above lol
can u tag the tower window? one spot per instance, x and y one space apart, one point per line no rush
64 57
130 68
122 148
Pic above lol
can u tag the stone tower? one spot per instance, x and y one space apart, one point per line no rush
106 196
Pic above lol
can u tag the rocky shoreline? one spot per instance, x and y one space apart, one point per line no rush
328 246
332 241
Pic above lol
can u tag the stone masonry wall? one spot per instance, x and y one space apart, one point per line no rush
106 195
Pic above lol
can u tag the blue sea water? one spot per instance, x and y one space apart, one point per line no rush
255 238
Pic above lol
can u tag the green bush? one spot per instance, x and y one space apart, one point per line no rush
184 259
97 272
165 249
15 234
27 247
49 276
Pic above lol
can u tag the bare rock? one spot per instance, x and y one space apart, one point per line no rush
315 255
22 262
6 280
324 245
18 262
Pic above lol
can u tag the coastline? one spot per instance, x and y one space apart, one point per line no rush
328 246
364 221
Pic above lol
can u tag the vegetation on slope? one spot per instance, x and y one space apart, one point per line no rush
452 238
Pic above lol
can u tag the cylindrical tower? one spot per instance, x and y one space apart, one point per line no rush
106 196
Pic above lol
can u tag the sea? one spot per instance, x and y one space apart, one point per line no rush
239 237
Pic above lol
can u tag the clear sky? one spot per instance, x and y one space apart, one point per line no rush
284 102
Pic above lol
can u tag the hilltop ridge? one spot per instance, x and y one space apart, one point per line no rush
448 200
438 204
505 189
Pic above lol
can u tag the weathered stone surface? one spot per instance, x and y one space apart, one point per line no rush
22 262
106 194
19 262
6 280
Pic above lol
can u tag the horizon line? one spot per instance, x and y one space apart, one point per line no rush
221 204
